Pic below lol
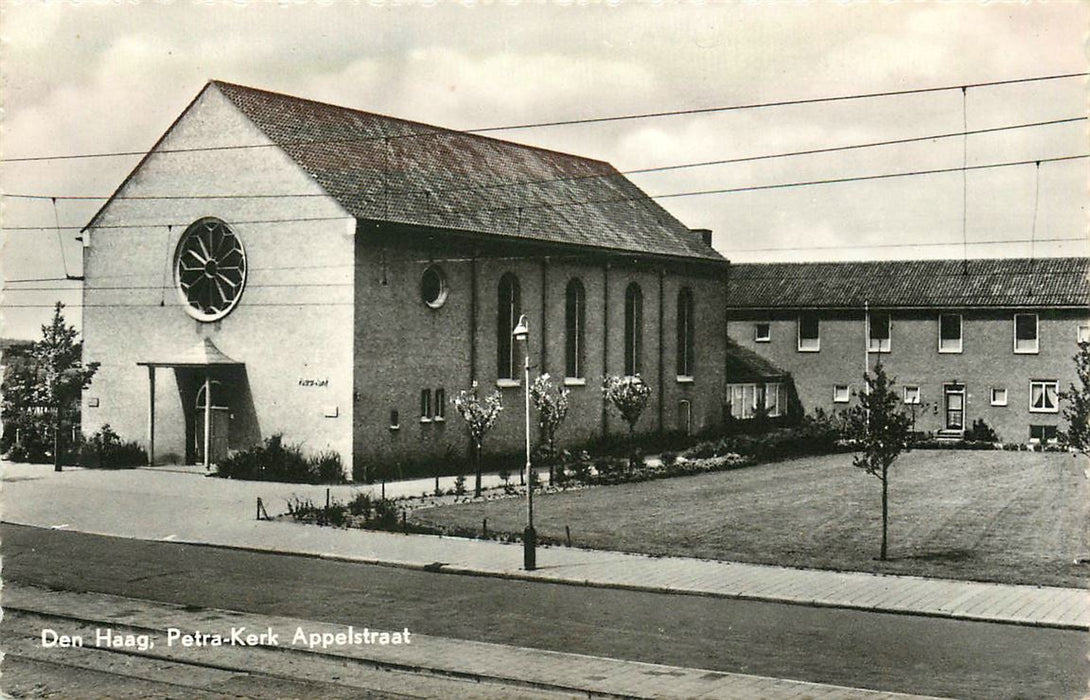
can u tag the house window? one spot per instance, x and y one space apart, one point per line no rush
1044 396
507 315
912 394
878 335
425 405
575 315
842 393
762 332
685 333
775 399
1083 334
1025 333
395 420
633 330
433 287
746 398
440 413
949 332
809 333
1042 434
999 397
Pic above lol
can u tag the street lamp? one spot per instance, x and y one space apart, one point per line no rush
529 537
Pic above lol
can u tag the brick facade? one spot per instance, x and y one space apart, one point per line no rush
987 360
331 331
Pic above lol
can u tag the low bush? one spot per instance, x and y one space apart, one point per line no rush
276 461
980 431
106 450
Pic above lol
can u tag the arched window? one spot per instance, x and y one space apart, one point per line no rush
508 308
633 329
685 333
575 315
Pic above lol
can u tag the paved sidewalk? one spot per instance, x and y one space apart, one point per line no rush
179 507
534 669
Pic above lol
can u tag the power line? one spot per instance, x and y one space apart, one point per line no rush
636 171
591 120
460 259
613 200
781 103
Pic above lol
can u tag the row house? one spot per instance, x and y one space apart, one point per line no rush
966 340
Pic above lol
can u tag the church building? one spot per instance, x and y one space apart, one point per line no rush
278 265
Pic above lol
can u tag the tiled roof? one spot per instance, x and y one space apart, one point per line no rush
382 168
995 283
745 365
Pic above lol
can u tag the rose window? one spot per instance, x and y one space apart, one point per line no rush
210 269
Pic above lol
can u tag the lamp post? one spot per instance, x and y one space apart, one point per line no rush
529 537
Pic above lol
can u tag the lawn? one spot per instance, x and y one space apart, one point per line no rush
1012 517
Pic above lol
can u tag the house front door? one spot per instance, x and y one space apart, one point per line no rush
955 406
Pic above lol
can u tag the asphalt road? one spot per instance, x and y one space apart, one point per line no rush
851 648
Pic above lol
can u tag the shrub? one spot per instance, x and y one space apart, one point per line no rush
980 431
276 461
105 450
668 458
328 468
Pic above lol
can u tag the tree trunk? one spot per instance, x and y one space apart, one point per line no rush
57 440
885 509
477 467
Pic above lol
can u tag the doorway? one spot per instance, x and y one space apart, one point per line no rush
219 424
955 406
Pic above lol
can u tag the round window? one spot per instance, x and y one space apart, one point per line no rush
209 269
433 287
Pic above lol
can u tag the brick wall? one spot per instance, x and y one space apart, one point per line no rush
987 361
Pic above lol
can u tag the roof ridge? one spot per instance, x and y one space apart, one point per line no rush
413 122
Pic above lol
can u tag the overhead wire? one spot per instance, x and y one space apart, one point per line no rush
576 178
567 122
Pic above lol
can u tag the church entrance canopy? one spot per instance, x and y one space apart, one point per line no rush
208 360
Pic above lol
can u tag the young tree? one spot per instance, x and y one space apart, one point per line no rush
1077 399
629 396
61 373
882 432
551 403
479 416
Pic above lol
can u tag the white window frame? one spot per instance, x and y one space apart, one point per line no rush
912 394
880 345
961 335
1082 333
767 337
1036 336
425 406
775 398
1044 384
847 393
816 347
439 409
999 396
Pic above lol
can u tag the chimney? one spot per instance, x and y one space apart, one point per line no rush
705 235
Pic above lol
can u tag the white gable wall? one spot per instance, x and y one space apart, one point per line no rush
293 325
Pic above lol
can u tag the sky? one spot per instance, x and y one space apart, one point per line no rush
90 77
